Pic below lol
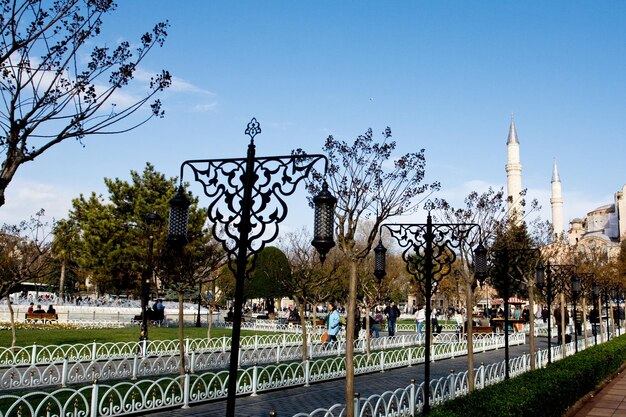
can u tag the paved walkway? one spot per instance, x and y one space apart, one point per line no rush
609 401
288 402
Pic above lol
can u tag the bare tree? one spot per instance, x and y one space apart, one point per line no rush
367 187
310 281
24 256
50 92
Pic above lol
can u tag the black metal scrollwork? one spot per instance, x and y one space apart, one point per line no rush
272 178
414 239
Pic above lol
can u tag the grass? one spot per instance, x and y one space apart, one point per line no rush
44 335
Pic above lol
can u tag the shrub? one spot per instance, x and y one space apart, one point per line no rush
546 392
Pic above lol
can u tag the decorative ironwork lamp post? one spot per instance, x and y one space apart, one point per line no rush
576 290
247 204
152 221
550 279
428 251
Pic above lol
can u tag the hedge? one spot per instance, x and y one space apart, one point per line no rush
546 392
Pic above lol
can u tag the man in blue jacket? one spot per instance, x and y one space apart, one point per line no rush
332 324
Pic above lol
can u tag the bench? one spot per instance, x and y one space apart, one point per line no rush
43 317
482 329
230 319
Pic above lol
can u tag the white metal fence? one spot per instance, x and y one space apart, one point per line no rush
130 397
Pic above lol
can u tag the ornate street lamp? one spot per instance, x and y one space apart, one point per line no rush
550 281
428 251
247 204
153 220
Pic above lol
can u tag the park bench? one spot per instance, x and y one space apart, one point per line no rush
136 320
228 319
482 329
43 317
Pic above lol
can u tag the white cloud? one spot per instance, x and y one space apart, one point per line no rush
205 107
25 198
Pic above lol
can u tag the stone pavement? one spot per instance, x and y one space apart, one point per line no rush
288 402
609 401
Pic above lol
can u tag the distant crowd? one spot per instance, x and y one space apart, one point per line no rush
46 299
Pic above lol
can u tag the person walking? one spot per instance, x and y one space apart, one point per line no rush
332 323
392 313
420 318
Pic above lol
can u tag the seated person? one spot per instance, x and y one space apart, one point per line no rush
39 310
51 309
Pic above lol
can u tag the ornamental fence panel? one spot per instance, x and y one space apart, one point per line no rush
146 395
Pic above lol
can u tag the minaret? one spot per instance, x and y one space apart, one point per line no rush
514 175
556 202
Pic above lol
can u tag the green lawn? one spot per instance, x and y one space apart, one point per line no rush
44 335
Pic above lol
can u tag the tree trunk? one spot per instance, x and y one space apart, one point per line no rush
181 333
469 301
583 323
12 318
210 320
563 324
305 344
350 340
531 307
61 283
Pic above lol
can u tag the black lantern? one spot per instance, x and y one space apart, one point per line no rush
179 218
379 261
324 223
481 271
576 288
540 275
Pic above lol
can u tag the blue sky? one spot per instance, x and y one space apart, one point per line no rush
445 76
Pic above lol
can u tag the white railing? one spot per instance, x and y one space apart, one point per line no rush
107 364
131 397
409 401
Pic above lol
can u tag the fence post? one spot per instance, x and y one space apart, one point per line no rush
64 371
135 367
307 370
187 388
481 371
278 354
144 347
357 404
186 344
410 357
94 399
452 382
254 380
93 350
382 361
412 398
33 355
192 362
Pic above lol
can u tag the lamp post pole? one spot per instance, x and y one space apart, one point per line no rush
427 250
247 205
151 220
